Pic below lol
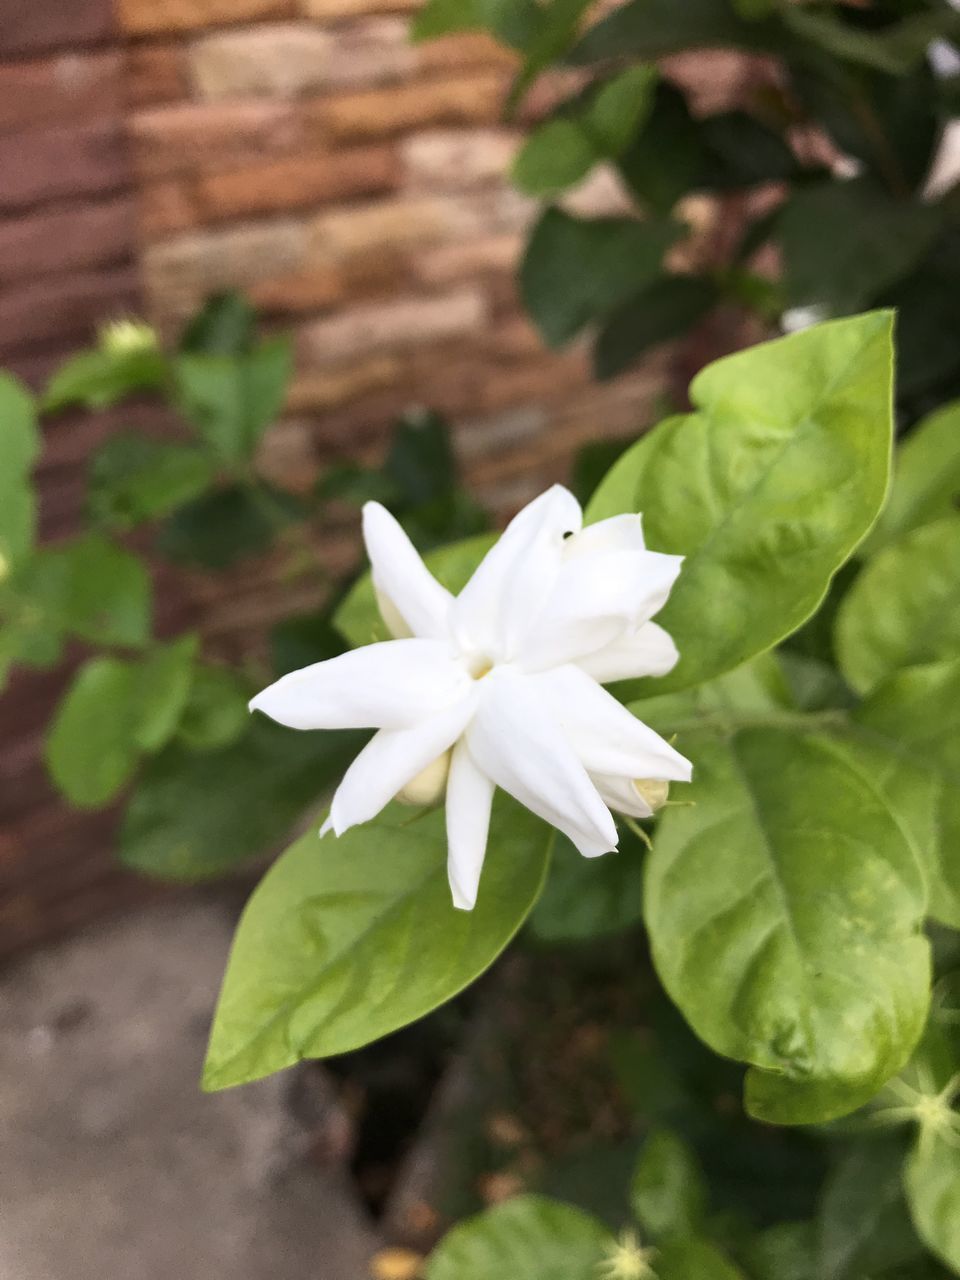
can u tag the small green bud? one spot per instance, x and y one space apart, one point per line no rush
125 337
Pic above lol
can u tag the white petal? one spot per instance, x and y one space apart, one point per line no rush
391 759
469 798
594 599
604 734
407 591
522 749
515 576
621 795
619 533
646 651
381 686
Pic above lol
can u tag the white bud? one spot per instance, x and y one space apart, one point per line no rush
652 790
429 785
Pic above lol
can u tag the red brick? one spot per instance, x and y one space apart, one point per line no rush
66 87
31 26
86 235
308 290
297 182
370 113
398 324
156 73
467 49
150 17
49 164
200 137
166 208
458 159
66 306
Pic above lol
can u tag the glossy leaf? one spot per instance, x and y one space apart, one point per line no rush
576 270
555 156
926 479
527 1238
91 750
668 1194
19 444
904 608
932 1182
347 939
358 618
231 400
784 912
766 488
196 815
134 478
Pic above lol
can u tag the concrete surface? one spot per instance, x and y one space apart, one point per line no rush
113 1165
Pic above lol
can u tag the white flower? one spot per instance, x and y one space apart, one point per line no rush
505 677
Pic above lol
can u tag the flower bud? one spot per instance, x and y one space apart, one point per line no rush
124 337
429 785
4 567
653 790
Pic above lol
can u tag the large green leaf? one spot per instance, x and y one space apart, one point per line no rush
932 1182
843 242
576 270
19 444
904 608
193 816
528 1238
91 749
231 400
926 479
668 1194
350 938
766 489
134 478
784 911
358 618
915 717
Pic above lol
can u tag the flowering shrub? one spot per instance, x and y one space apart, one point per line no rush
787 897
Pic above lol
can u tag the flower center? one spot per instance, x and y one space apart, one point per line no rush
479 666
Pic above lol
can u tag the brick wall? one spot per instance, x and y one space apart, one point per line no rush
156 150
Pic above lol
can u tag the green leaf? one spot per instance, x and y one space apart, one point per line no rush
421 465
215 713
932 1183
133 478
556 30
904 608
864 1227
19 446
577 270
590 897
193 816
926 479
358 618
94 589
845 242
766 489
231 400
916 716
515 22
527 1238
693 1260
162 683
91 751
652 28
98 379
668 1194
226 525
348 939
784 1252
226 326
784 912
556 155
663 311
751 694
894 50
620 108
666 159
